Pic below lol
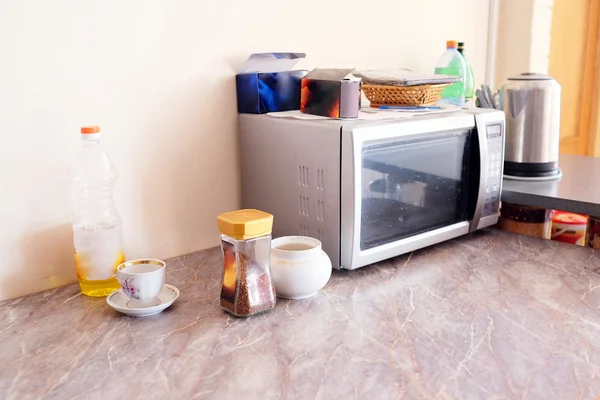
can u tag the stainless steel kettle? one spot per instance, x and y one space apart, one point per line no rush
531 104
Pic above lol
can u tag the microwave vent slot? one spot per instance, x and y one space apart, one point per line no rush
320 179
320 234
304 230
303 206
303 175
320 210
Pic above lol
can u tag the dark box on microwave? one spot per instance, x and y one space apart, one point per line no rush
266 83
331 93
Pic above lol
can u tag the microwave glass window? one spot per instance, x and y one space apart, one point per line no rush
413 186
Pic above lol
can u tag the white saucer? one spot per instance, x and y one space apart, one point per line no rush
120 302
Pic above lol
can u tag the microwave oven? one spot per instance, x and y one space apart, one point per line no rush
372 190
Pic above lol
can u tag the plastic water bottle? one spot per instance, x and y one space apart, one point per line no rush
470 82
452 63
97 231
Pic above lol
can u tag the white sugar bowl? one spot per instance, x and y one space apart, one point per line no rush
299 266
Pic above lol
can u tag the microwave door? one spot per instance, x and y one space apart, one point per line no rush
409 188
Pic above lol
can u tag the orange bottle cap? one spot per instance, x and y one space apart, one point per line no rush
451 44
90 129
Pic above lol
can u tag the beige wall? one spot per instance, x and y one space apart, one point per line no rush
158 77
523 38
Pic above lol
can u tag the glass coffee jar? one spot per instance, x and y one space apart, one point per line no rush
246 284
593 233
525 220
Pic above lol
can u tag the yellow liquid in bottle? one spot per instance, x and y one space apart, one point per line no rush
98 253
99 288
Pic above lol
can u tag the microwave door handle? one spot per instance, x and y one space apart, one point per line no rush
483 172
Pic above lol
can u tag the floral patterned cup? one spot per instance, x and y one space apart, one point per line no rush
142 280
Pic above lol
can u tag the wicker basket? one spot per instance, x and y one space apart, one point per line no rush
423 95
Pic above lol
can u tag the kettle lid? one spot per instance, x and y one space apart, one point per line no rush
530 76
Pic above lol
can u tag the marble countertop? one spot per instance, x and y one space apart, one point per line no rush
577 191
491 315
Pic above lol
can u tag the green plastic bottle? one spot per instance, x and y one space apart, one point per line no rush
452 63
470 82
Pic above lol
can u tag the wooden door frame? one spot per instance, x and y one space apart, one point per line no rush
575 62
589 118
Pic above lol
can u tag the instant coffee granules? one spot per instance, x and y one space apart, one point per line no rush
246 284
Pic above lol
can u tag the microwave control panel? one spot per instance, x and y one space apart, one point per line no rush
494 133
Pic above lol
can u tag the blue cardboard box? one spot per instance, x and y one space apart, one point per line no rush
266 83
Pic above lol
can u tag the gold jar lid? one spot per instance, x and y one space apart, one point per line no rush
245 224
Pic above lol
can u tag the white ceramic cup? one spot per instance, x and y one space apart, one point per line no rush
299 266
142 280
